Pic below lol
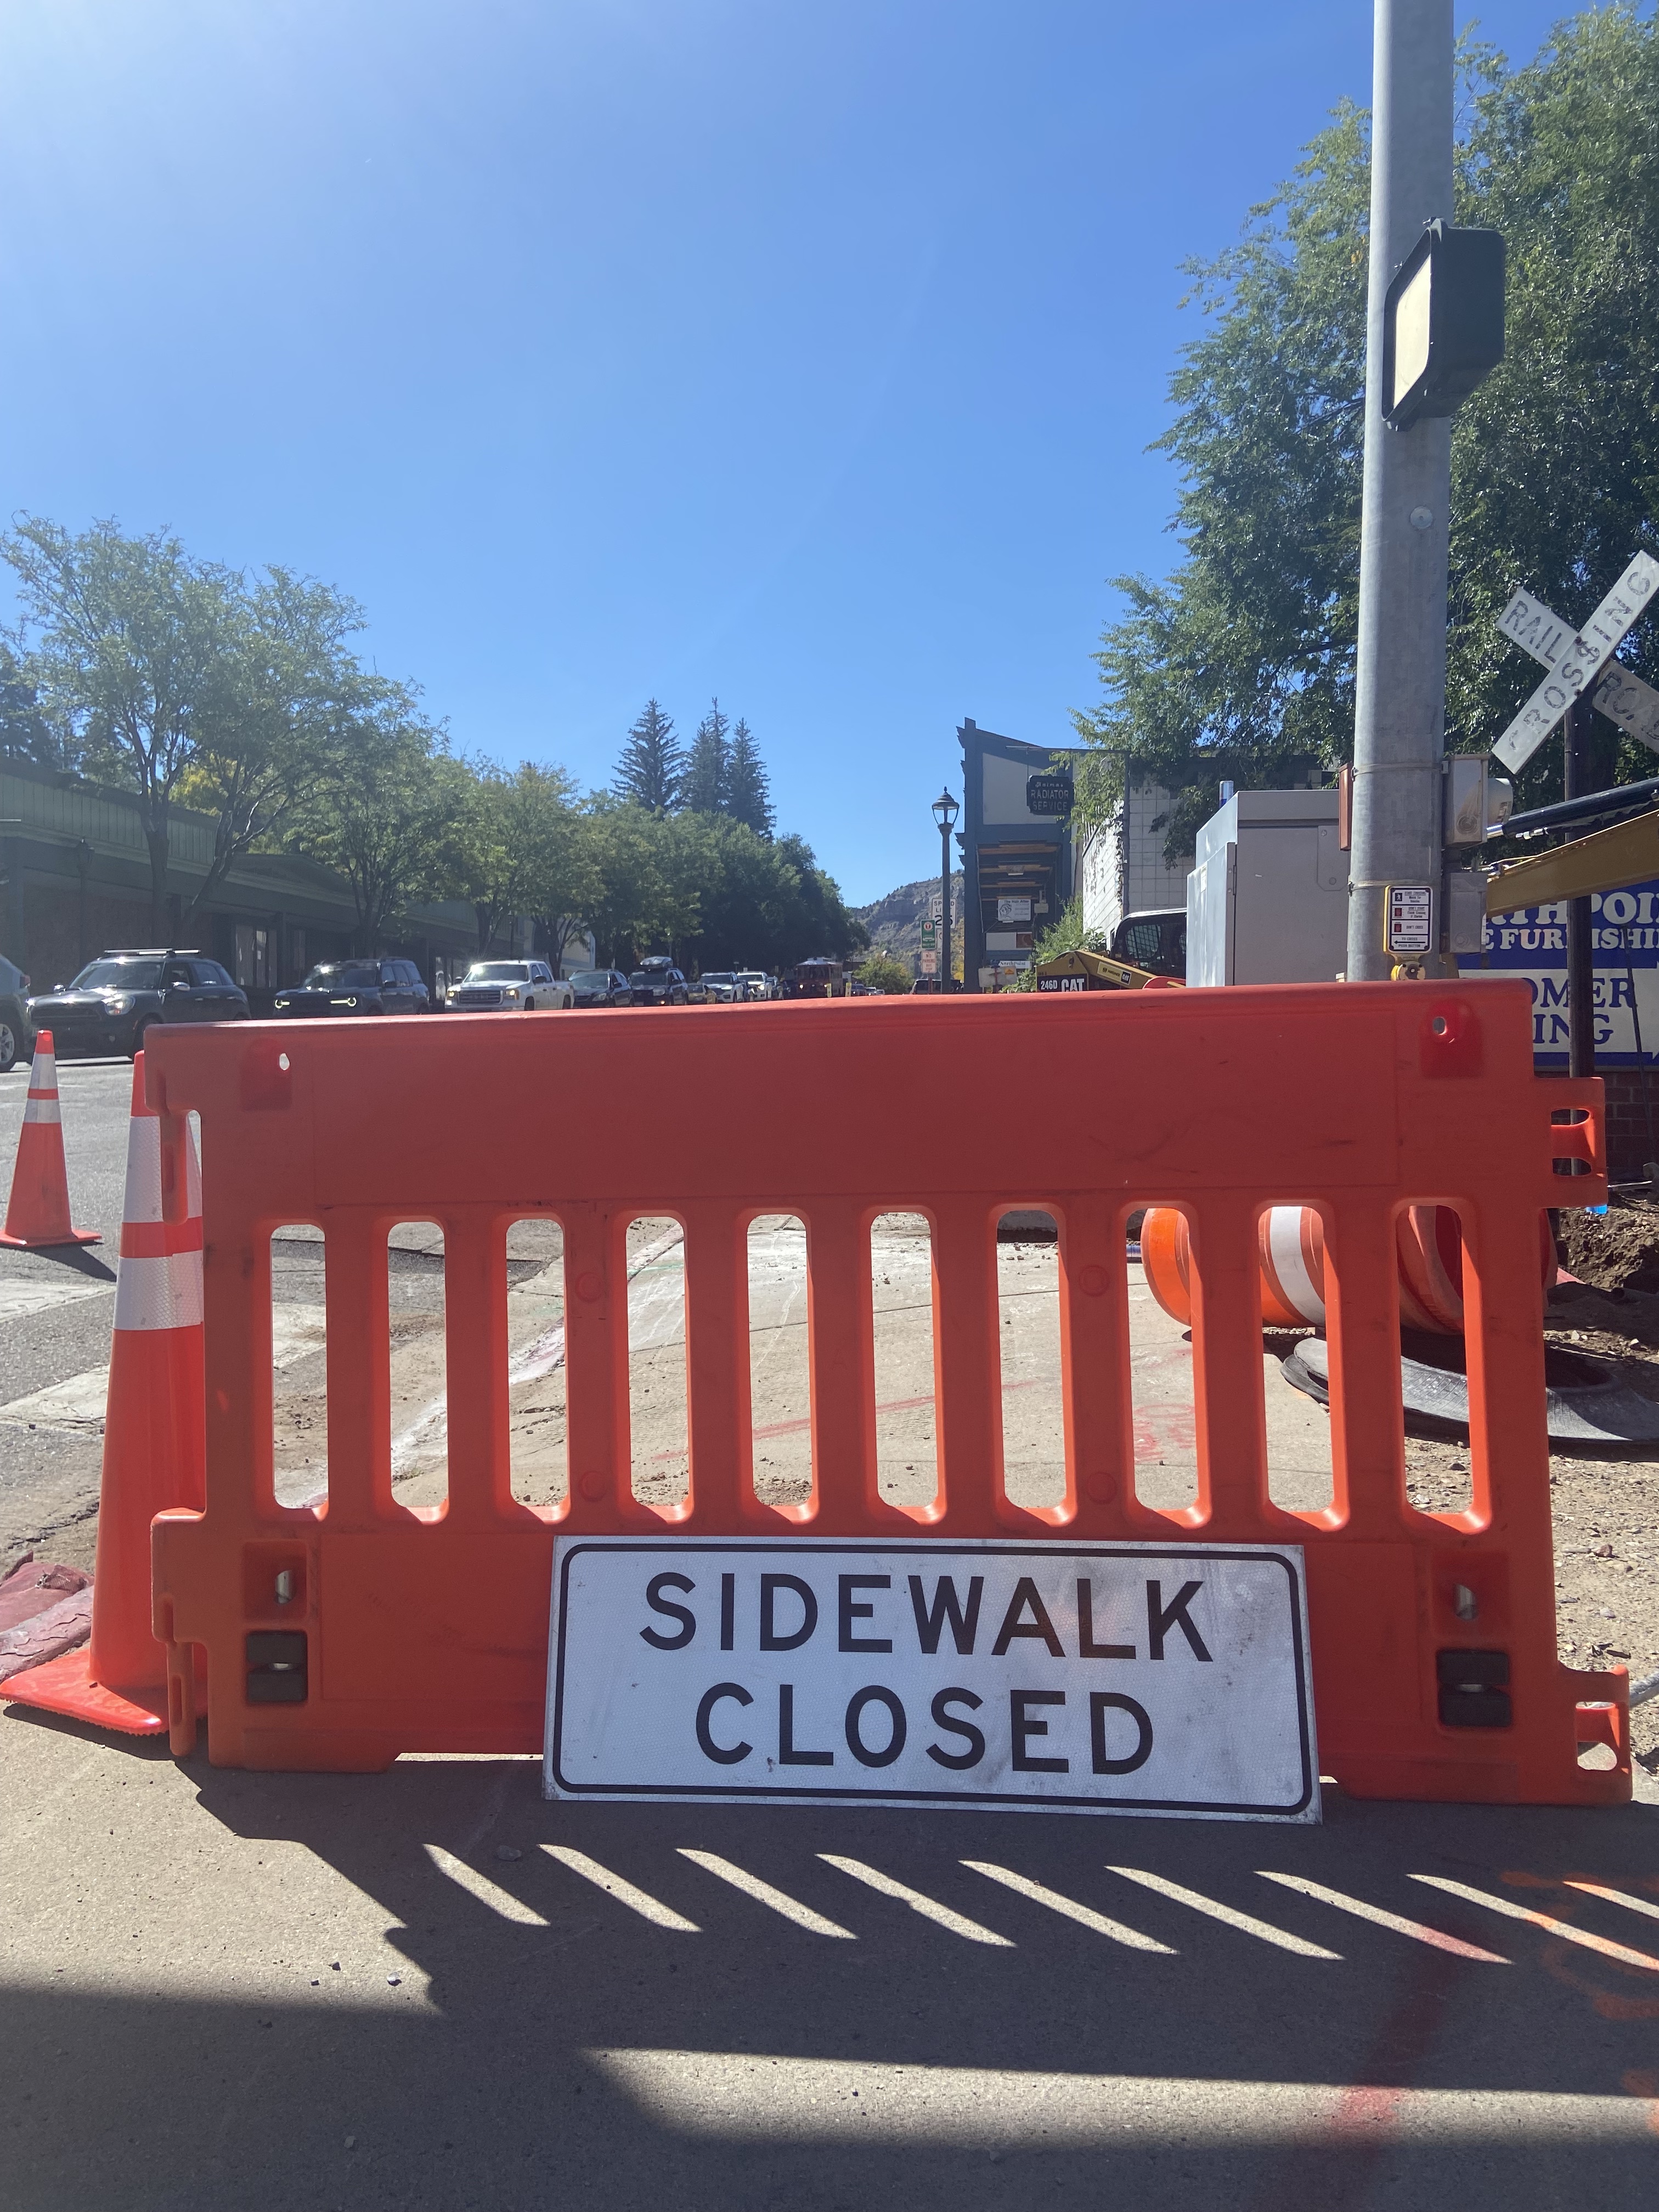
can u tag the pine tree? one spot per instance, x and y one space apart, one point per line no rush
748 788
705 784
651 770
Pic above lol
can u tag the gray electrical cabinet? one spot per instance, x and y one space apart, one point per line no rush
1267 902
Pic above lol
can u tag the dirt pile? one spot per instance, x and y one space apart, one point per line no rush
1618 1251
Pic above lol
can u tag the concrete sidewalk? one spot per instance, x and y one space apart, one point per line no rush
428 1988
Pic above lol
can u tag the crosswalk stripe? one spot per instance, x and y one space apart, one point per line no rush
479 1885
1376 1913
636 1900
1544 1920
18 1297
1615 1897
764 1893
1083 1914
1244 1921
75 1407
958 1923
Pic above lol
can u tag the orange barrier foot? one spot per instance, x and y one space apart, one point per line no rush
67 1686
39 1214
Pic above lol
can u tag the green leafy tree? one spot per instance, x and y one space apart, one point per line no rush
653 764
132 648
748 786
381 815
291 693
706 784
1240 663
640 899
881 972
819 921
25 733
501 837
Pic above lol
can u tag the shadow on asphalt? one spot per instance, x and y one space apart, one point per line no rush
77 1258
495 2088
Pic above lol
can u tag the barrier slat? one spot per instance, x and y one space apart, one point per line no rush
358 1354
428 1631
717 1369
841 1331
968 1370
1229 1413
1368 1457
474 1370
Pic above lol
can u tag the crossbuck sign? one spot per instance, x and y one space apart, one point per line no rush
1574 659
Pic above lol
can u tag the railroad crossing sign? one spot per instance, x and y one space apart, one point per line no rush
1574 661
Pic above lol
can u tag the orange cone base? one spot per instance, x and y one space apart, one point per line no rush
50 1243
65 1686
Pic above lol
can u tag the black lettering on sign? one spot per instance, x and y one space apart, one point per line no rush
1086 1646
850 1613
947 1607
770 1638
670 1611
1039 1625
874 1695
1102 1702
728 1612
957 1761
722 1754
1161 1618
1024 1727
787 1754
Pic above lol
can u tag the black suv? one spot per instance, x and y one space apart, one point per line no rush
111 1003
16 1040
658 982
601 987
356 986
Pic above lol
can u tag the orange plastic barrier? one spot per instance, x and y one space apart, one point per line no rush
1428 1241
342 1635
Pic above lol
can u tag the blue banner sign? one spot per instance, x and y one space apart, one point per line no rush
1532 942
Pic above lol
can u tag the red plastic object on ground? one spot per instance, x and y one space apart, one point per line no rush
154 1434
339 1636
38 1215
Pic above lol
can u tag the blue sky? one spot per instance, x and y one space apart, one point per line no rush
604 348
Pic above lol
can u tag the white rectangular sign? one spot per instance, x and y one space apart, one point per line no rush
1128 1678
1576 663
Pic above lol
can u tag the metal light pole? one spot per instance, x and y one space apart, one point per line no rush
1400 692
945 812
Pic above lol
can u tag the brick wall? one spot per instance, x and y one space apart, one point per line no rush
1630 1093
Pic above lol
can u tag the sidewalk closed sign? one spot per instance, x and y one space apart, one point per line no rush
1108 1678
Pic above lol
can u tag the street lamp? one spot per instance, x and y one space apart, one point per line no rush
945 812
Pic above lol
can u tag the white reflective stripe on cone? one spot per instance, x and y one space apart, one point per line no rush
43 1071
193 1178
143 1198
164 1293
1290 1262
42 1109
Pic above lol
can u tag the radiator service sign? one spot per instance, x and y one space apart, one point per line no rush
1108 1678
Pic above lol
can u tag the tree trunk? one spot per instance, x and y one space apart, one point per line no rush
155 837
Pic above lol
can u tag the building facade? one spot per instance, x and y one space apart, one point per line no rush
1017 867
75 880
1122 868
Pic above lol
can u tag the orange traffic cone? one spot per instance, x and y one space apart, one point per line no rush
154 1435
40 1209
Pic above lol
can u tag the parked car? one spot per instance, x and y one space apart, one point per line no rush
509 987
601 987
17 1038
756 984
722 989
112 1002
356 986
658 982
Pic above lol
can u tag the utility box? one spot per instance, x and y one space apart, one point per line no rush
1268 900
